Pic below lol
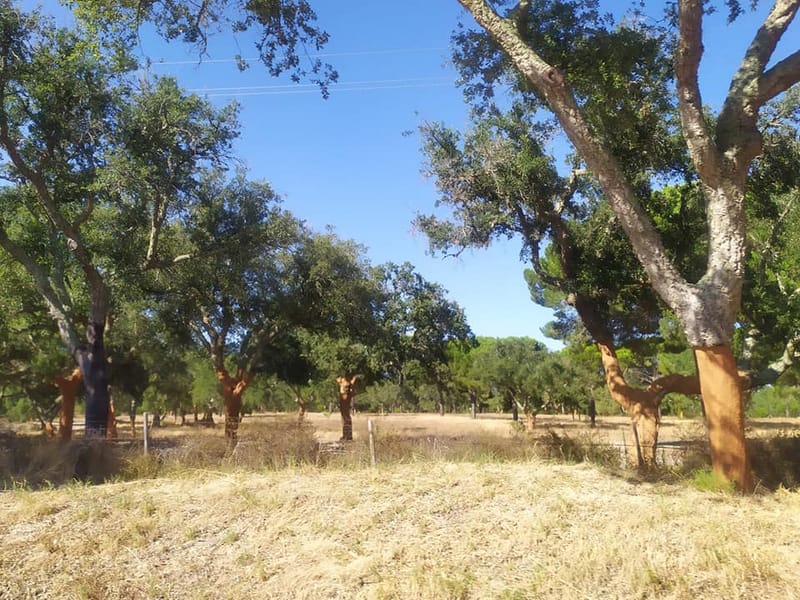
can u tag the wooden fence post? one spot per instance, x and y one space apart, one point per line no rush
371 443
146 431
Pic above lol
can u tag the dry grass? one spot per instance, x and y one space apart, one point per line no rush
416 530
455 509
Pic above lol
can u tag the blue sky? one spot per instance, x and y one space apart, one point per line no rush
344 162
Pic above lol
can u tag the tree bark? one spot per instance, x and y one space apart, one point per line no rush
111 429
232 390
91 360
68 386
346 394
132 415
722 395
530 421
640 405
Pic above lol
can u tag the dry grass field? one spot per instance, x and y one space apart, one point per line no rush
430 521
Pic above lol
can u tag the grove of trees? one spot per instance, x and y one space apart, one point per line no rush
140 260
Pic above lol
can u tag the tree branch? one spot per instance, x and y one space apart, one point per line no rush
58 311
77 248
645 240
738 128
780 78
690 105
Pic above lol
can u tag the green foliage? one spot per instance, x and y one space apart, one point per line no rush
17 409
770 304
388 396
421 324
775 401
286 31
620 74
511 368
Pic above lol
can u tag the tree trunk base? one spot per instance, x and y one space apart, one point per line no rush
724 407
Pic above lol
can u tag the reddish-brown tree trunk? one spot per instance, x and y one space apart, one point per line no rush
640 405
530 421
346 394
68 386
720 384
111 428
232 390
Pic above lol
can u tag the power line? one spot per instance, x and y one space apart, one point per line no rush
333 90
321 55
314 87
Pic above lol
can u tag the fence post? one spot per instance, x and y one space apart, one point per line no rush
146 431
371 443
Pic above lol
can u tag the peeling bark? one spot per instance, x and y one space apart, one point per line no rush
111 427
530 421
641 405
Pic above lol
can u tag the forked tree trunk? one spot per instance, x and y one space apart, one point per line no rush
68 386
232 390
640 405
722 395
302 403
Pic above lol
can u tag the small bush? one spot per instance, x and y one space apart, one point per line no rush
36 461
582 448
707 480
275 445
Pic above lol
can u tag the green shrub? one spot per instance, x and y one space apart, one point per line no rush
20 410
707 480
775 401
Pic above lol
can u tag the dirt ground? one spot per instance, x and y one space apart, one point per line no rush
612 430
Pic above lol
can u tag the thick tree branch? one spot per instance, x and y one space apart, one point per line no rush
58 311
690 104
780 77
778 367
737 130
75 244
646 242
